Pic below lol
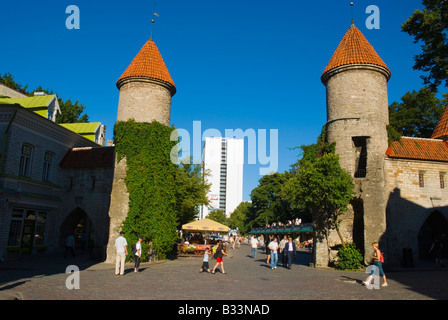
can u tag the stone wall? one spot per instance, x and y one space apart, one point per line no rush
119 207
409 204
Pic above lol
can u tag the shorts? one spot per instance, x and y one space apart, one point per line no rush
218 259
205 265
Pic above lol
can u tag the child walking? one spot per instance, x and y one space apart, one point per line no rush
205 265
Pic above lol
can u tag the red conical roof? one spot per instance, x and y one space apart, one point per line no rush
441 129
148 63
355 49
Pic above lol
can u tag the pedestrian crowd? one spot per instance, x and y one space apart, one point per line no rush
284 250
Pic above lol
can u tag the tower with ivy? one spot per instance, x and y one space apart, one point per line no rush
146 89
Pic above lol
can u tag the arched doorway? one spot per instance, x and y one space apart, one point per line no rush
79 224
434 226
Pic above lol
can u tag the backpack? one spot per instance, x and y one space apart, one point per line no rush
134 248
381 257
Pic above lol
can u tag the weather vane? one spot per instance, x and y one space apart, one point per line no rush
351 5
154 14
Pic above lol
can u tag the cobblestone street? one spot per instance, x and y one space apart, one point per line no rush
44 278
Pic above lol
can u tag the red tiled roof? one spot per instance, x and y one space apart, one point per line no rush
101 157
419 149
354 49
441 129
148 63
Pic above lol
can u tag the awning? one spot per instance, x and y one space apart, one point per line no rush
205 225
307 227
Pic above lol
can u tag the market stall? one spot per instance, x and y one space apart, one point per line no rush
205 228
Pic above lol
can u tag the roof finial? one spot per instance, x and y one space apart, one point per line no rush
153 20
353 21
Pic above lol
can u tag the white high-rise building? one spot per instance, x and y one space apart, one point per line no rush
223 158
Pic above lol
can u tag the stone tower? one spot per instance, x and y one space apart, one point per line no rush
357 115
146 89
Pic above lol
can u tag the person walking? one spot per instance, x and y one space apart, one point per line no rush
289 252
437 248
378 263
282 251
205 265
138 254
254 245
273 246
70 246
122 252
219 255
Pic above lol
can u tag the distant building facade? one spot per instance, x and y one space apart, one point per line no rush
223 160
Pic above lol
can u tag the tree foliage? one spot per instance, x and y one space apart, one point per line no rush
70 112
430 27
191 191
218 216
268 206
8 80
349 258
417 114
162 195
239 218
150 182
320 186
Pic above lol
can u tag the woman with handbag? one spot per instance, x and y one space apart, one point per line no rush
219 254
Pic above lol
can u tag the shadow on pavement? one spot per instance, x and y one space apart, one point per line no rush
17 272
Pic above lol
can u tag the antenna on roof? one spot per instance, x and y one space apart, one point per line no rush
353 21
154 14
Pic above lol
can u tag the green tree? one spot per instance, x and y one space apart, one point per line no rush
238 218
191 192
70 112
430 27
323 187
218 216
268 206
8 80
417 114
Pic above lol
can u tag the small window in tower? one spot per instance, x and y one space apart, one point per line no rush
442 180
360 146
421 179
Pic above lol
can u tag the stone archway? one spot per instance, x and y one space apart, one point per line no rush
79 224
434 226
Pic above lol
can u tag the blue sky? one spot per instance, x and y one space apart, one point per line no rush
236 64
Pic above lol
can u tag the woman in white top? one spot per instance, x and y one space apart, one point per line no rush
138 254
